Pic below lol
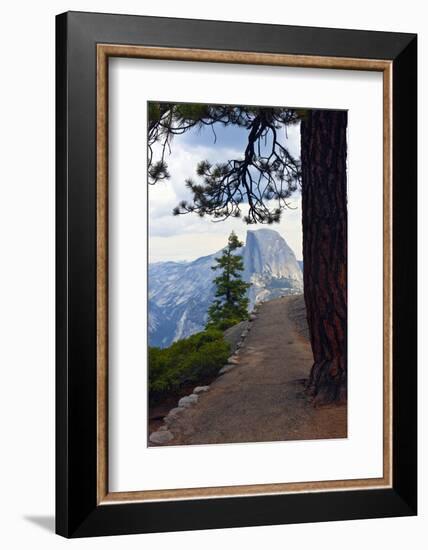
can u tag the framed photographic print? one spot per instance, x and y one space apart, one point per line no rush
236 274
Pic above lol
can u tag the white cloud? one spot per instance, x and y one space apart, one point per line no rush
188 236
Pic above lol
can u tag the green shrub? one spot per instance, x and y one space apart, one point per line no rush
186 361
226 323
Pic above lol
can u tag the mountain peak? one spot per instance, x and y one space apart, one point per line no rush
180 293
266 252
264 231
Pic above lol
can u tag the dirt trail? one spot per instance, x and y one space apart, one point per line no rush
262 398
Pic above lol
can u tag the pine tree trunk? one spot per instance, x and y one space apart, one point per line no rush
324 220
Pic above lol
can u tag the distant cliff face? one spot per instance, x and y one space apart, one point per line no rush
180 293
270 266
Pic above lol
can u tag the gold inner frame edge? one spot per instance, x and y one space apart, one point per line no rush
104 51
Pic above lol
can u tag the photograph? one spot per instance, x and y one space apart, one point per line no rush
213 258
247 273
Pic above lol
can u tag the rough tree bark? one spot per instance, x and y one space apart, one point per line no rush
324 220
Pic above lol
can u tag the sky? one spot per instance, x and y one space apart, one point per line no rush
187 237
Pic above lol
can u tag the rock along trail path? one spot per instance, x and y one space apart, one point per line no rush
261 399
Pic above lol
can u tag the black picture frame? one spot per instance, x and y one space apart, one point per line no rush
77 511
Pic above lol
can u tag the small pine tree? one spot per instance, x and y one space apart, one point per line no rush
231 304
